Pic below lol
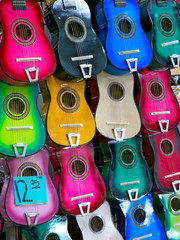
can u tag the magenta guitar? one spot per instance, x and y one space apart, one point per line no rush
31 197
158 107
81 188
166 148
25 53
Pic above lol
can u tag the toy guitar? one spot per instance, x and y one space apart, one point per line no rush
122 36
129 175
171 205
141 220
98 224
81 188
22 131
119 118
25 53
80 51
66 114
167 159
31 197
156 114
164 32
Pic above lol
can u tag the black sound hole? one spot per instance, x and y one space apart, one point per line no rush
139 215
96 224
75 29
29 172
68 99
127 157
175 204
16 106
125 26
52 236
23 32
156 89
166 147
116 91
78 167
166 24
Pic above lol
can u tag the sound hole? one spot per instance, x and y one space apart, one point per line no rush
78 167
156 89
16 106
23 32
166 24
75 29
166 147
29 172
96 224
139 215
175 204
116 91
125 26
52 236
68 100
127 157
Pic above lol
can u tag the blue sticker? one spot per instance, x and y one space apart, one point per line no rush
30 190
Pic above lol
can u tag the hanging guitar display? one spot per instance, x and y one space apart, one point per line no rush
171 205
167 159
22 131
81 188
118 119
156 115
141 220
129 175
163 32
26 55
81 53
66 114
122 36
98 224
31 197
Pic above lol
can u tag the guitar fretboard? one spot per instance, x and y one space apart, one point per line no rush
120 3
161 3
19 4
69 4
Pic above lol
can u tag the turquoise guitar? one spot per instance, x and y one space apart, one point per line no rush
22 132
129 175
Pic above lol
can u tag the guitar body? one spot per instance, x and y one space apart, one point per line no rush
166 148
22 131
98 224
126 44
129 175
156 114
141 220
165 33
119 115
78 171
67 112
79 48
170 204
24 46
34 165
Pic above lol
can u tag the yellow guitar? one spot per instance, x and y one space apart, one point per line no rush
65 112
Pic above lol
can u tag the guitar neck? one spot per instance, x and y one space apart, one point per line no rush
19 4
119 3
69 4
161 3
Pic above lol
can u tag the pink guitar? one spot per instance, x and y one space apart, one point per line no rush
25 53
158 107
166 148
31 197
81 188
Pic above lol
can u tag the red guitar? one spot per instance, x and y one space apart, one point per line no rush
25 53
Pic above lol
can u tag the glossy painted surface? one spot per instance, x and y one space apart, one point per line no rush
34 137
128 169
10 49
46 210
79 177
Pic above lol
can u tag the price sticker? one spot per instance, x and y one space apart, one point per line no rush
30 190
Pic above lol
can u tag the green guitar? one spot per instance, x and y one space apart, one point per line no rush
22 132
129 175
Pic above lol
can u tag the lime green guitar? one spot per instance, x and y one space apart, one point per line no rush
22 132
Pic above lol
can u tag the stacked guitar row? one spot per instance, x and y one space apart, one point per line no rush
105 146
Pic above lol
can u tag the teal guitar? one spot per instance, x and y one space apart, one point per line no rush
129 175
22 132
